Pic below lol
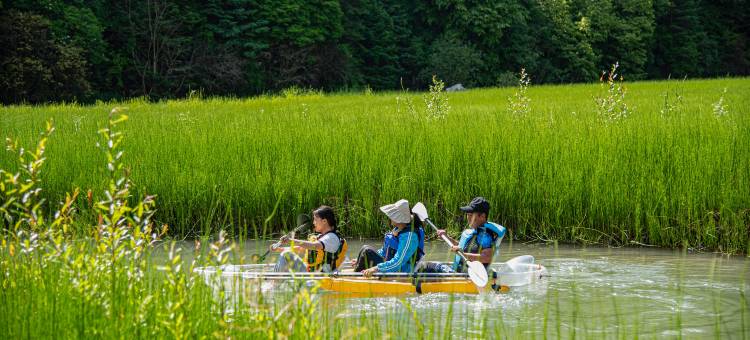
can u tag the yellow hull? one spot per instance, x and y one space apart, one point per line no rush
386 287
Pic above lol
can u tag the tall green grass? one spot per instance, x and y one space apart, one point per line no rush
673 179
114 284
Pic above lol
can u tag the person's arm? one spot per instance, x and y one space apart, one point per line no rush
406 248
295 249
486 252
442 232
314 245
484 256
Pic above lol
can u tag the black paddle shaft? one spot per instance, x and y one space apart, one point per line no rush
445 238
299 227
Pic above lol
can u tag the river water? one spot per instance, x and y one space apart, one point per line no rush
591 292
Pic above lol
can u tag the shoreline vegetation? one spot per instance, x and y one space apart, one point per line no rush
660 163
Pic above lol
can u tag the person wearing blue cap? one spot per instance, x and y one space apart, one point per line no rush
479 241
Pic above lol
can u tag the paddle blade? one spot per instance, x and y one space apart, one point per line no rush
477 273
420 210
520 263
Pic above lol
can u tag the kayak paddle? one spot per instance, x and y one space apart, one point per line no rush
303 221
477 273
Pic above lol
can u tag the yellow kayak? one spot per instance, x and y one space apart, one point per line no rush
518 271
387 287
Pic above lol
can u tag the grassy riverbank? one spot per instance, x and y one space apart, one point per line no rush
675 172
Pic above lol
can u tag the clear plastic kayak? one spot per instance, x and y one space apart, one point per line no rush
518 271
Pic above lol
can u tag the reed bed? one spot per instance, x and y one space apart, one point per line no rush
674 173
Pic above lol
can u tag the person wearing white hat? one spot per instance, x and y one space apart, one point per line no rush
402 248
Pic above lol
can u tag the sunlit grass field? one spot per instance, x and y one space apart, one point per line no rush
675 172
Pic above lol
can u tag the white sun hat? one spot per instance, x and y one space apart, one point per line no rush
398 212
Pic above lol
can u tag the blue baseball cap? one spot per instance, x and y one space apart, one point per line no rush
478 204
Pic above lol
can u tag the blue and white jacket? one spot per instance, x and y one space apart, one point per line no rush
402 251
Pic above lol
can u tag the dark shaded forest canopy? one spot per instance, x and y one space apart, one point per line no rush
83 50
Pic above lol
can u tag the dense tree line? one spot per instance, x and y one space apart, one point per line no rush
52 50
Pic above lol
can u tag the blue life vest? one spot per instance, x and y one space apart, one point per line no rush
488 235
390 243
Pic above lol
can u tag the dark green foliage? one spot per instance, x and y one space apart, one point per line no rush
79 27
517 48
301 40
234 31
619 31
162 54
412 37
33 67
725 46
566 54
678 37
75 24
454 62
167 48
497 31
370 41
